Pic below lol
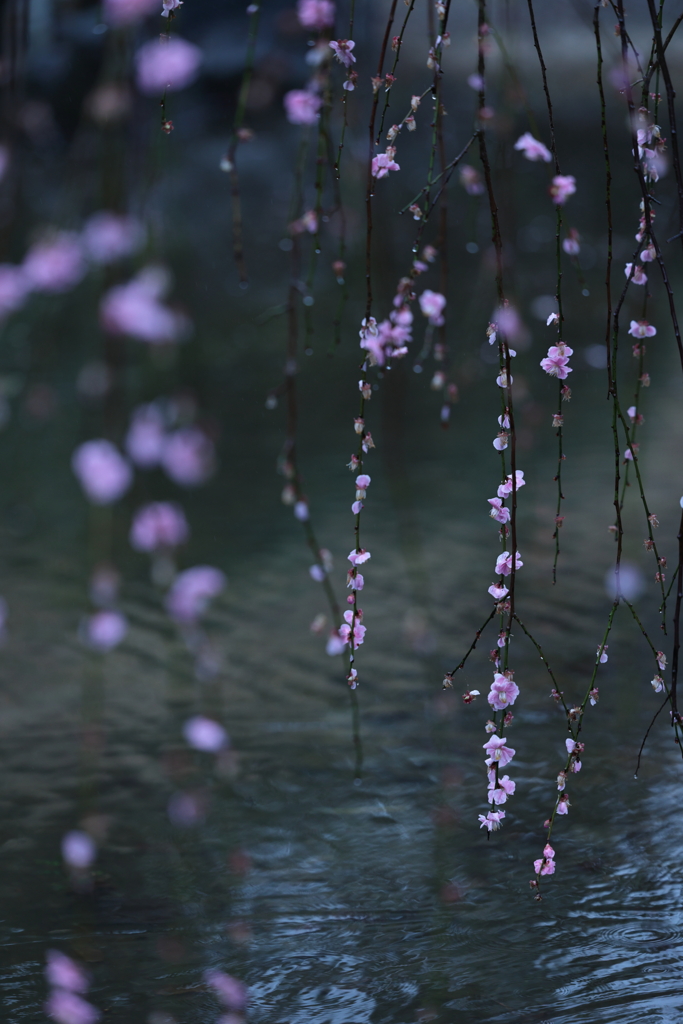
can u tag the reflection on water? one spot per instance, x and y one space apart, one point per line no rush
340 894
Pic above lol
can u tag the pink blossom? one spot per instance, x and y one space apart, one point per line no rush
315 14
563 186
169 6
545 866
504 563
78 849
657 684
505 489
563 804
661 656
499 511
233 993
384 162
642 329
491 821
166 64
135 309
362 483
68 1008
499 793
356 507
648 255
146 436
110 236
533 149
14 287
342 51
63 972
503 692
205 734
302 106
356 582
498 591
503 381
601 653
345 629
158 525
497 750
188 457
639 275
432 305
55 264
500 443
358 557
102 471
106 629
556 361
191 592
126 12
317 573
570 744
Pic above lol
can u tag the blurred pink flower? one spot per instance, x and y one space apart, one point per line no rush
639 275
146 436
63 972
233 993
192 590
471 180
315 14
302 106
126 12
170 5
563 186
68 1008
205 734
188 457
642 329
335 644
166 65
78 849
110 236
55 263
532 148
160 524
14 287
102 471
432 305
106 629
135 309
